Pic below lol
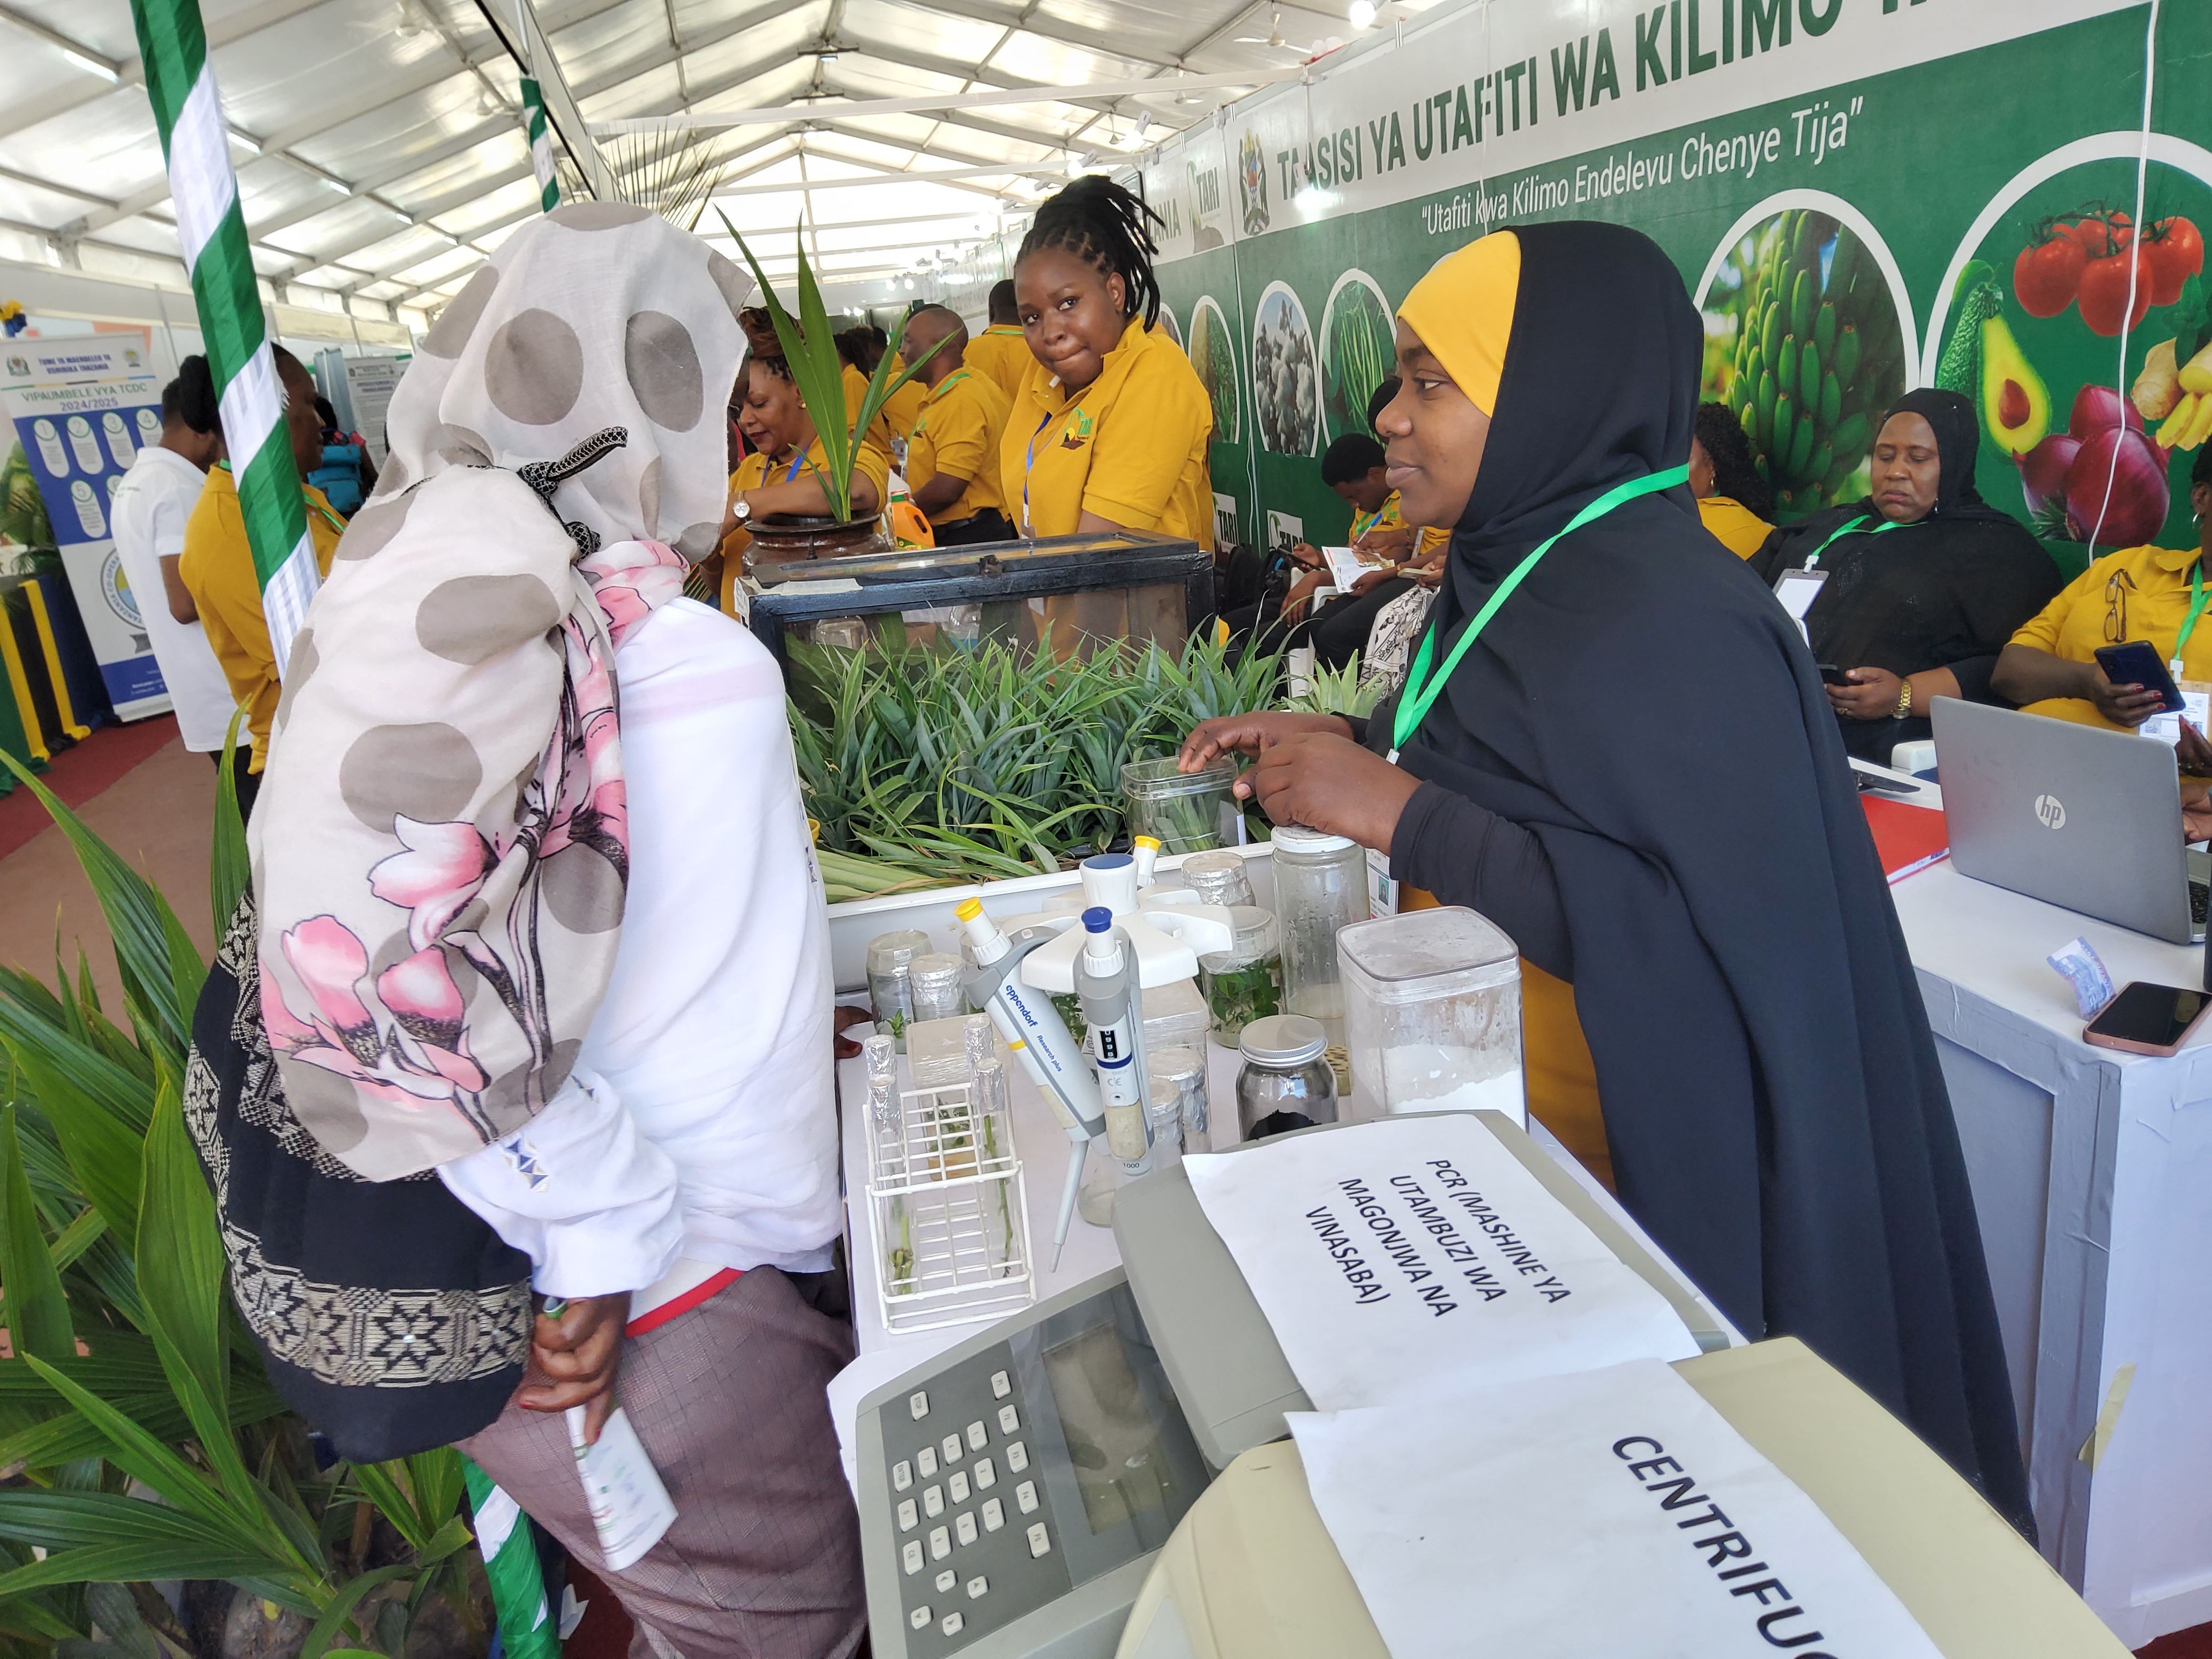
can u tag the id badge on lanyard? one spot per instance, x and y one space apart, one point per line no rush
1797 589
1381 891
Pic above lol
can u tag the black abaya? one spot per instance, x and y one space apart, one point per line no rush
1946 591
1644 708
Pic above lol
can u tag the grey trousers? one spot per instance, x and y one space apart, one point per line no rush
763 1560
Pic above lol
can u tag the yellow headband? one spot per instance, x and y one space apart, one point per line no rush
1463 311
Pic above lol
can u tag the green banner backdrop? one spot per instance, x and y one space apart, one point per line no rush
1862 196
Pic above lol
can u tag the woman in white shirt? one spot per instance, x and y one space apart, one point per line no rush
154 498
561 948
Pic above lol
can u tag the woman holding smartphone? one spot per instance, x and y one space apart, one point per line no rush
1717 999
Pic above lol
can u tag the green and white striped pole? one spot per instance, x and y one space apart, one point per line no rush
541 146
211 230
526 1627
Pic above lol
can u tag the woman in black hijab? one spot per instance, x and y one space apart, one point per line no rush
1914 616
1707 886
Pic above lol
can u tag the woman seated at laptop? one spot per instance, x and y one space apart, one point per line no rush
1922 614
2154 594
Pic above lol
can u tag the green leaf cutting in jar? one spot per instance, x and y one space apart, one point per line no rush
1235 997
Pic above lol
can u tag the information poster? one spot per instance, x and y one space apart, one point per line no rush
370 382
81 425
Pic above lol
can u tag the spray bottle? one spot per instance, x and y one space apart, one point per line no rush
1039 1037
1107 988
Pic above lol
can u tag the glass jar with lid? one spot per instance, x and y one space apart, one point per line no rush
934 978
1321 886
1245 981
891 990
1432 1014
1285 1083
1218 879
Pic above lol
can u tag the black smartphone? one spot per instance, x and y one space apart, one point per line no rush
1832 674
2149 1019
2138 663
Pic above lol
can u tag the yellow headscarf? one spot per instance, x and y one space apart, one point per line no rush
1463 311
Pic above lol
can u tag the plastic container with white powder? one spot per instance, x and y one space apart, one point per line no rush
1432 1014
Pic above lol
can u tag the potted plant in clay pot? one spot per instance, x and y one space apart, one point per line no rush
809 348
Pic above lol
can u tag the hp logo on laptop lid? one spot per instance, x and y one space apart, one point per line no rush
2050 811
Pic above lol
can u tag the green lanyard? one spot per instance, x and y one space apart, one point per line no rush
2197 598
1886 524
331 518
1420 690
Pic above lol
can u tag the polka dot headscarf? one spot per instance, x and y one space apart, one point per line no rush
442 846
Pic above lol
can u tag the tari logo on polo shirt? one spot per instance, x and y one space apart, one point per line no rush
2050 811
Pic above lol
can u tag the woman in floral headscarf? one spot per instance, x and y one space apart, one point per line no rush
531 997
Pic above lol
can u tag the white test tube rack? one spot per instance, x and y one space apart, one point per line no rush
949 1214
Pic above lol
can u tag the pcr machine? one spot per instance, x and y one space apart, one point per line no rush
1109 1473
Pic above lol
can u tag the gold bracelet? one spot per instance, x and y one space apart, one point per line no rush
1904 699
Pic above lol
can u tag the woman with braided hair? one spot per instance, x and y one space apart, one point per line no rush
1109 428
1733 501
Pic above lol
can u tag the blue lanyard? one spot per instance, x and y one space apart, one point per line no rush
797 461
1076 418
1028 462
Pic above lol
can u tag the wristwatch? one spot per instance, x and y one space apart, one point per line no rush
1904 699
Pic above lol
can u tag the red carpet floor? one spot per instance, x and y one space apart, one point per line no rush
2182 1644
80 772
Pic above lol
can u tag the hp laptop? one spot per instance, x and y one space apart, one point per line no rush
2073 815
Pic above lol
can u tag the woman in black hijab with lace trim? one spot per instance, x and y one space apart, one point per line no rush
1922 615
1703 888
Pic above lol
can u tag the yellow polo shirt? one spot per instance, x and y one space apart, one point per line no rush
903 407
856 391
1001 352
873 462
218 568
2136 593
1733 524
961 430
1391 516
1130 446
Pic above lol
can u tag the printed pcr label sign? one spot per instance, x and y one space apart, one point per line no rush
1405 1259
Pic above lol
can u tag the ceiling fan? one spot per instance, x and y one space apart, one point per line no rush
1275 33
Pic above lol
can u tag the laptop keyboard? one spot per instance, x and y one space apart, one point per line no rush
2199 894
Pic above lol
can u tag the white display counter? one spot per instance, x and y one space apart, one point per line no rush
2093 1179
2092 1173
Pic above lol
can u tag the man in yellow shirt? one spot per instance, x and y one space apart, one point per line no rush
2155 593
953 455
217 569
1000 353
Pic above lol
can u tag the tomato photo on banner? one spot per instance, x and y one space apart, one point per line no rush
2085 340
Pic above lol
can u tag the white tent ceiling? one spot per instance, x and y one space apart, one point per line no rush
380 153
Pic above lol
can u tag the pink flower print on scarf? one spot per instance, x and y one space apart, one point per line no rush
435 877
630 580
429 1064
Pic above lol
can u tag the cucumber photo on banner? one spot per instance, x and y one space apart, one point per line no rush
211 236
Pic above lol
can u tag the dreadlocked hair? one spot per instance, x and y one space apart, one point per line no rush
1095 219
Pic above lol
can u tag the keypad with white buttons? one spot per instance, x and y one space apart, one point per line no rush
979 1544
